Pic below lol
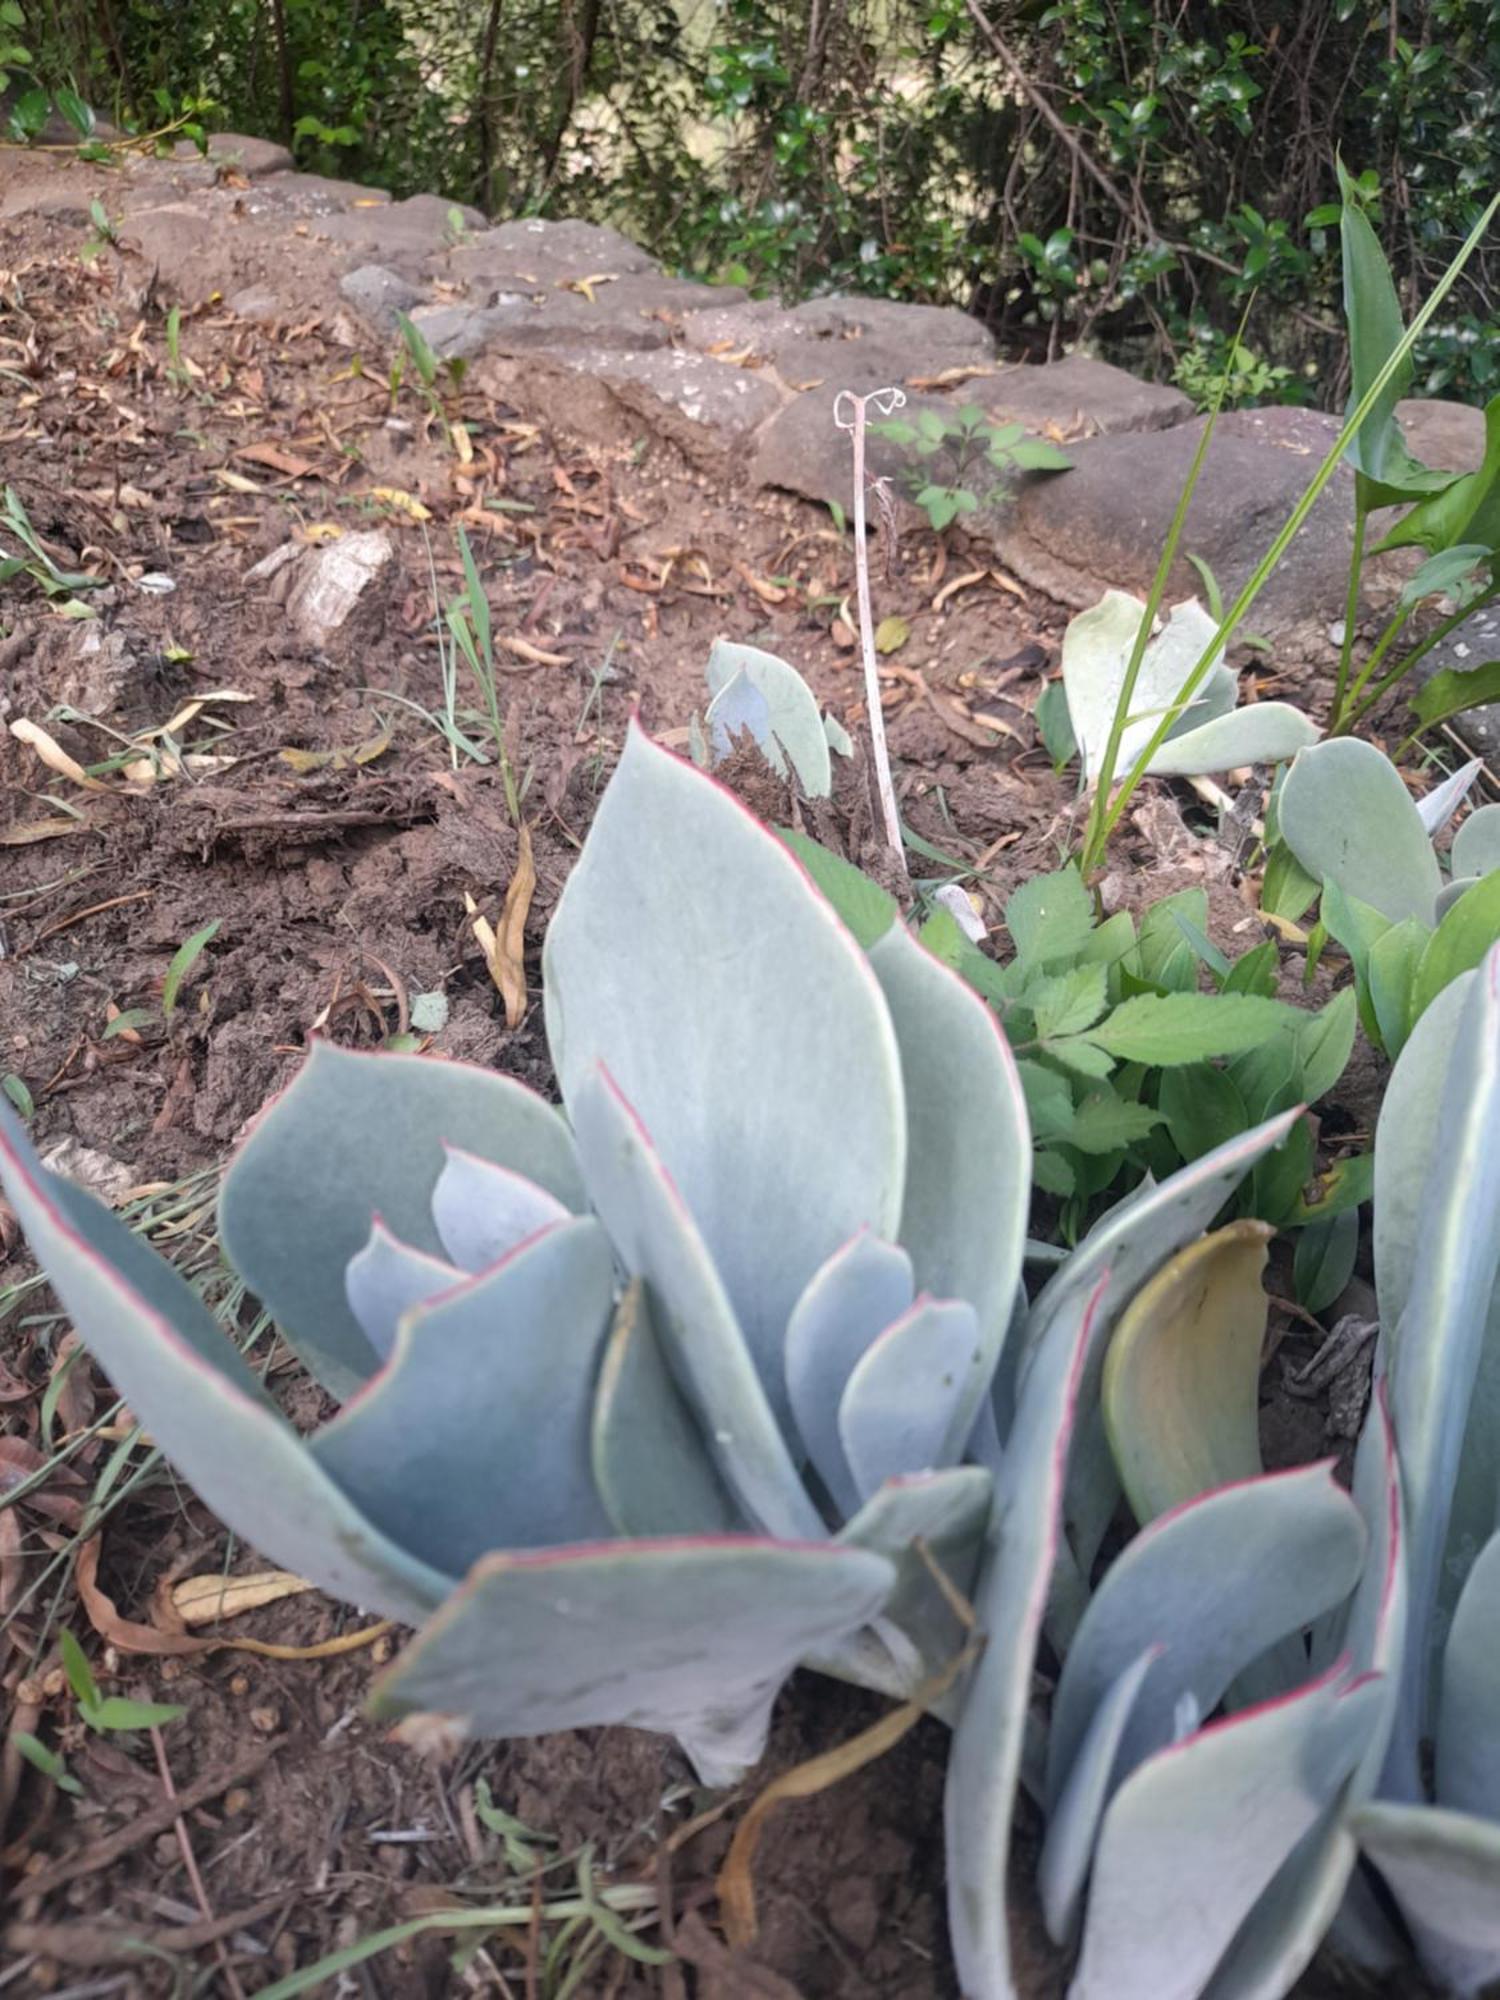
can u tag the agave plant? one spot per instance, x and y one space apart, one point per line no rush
1211 734
646 1399
756 691
1348 819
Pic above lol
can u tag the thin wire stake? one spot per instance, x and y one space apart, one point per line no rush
886 401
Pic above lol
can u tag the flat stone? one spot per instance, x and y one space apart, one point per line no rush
1105 522
309 196
457 333
254 158
403 233
258 302
331 582
1079 395
191 256
67 202
377 294
535 255
704 407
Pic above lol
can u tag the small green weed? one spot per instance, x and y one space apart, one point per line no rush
967 460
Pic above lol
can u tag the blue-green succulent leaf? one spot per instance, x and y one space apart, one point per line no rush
355 1136
1278 1939
1444 1870
1406 1145
655 1235
968 1173
1444 1356
1437 807
984 1764
655 1473
1194 1835
863 1288
759 692
1346 815
1467 1776
1216 1583
909 1405
475 1434
1073 1822
690 1637
1476 845
189 1387
482 1211
946 1512
386 1279
1265 732
692 955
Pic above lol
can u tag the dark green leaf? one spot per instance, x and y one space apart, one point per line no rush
1163 958
1049 1101
1455 689
183 960
76 1667
1459 942
1255 972
1054 724
1202 947
1286 890
1324 1260
1325 1042
1267 1078
1052 1174
1203 1108
1280 1176
1391 972
862 905
1345 1185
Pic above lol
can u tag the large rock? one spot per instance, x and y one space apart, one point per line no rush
1083 397
706 408
1105 522
639 312
1447 435
191 255
803 451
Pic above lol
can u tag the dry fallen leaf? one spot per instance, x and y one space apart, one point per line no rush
26 832
536 655
203 1600
401 502
278 458
53 755
304 761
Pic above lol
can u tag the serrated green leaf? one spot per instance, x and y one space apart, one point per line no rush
861 905
1052 1174
1050 917
1103 1122
1168 1029
1068 1003
1081 1055
1049 1100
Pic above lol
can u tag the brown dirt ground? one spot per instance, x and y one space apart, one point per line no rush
340 893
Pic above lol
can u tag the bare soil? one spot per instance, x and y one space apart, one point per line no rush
339 892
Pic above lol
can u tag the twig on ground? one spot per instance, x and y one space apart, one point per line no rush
885 400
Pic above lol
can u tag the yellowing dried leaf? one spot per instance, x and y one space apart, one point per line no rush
504 952
891 634
27 832
236 481
318 532
401 502
53 754
204 1600
536 655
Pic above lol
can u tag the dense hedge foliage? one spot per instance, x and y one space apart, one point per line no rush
1121 171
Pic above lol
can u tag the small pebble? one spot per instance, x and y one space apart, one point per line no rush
237 1799
267 1720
